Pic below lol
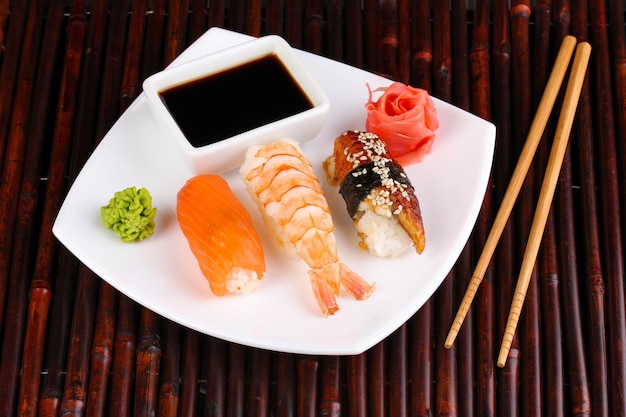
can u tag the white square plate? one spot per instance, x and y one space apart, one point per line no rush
161 273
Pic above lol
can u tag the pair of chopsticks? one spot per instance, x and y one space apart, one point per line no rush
546 194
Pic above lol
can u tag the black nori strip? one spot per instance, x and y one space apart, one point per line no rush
359 182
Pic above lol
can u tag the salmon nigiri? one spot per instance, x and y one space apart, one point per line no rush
221 235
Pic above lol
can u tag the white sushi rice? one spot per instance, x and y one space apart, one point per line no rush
380 231
242 281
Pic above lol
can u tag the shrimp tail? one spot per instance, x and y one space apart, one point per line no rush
354 283
324 294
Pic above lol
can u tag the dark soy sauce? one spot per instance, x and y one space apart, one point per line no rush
225 104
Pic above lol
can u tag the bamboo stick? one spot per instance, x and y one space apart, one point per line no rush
353 23
520 172
76 382
120 398
294 21
306 394
4 13
371 35
460 48
236 13
259 389
548 274
147 364
216 362
274 17
397 375
197 20
377 377
130 84
313 27
12 163
40 293
442 51
176 30
169 371
217 13
356 381
546 193
285 384
235 388
190 374
612 244
529 337
446 395
617 34
24 244
422 362
421 42
573 332
480 105
8 70
330 386
388 42
334 29
595 287
404 42
8 76
503 34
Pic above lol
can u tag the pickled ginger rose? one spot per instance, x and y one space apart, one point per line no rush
405 118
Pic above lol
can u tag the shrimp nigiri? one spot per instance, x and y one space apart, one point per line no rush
281 180
221 235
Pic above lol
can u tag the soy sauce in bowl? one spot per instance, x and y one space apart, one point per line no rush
222 105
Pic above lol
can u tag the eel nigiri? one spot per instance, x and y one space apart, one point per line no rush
221 235
282 181
379 196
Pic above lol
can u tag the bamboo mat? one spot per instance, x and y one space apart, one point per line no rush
72 345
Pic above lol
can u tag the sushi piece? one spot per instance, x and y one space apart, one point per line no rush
282 182
379 196
221 235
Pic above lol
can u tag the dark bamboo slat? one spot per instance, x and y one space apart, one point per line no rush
235 397
120 400
148 363
567 264
376 380
76 381
480 105
330 386
522 111
397 373
24 242
306 390
593 273
15 228
356 378
169 381
8 77
422 361
216 377
508 389
259 388
190 374
617 33
40 292
612 247
101 358
284 394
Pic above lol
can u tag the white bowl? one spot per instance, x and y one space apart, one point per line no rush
234 131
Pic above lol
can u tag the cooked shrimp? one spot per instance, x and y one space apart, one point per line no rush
281 180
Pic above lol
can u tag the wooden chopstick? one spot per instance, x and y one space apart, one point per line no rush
535 133
553 169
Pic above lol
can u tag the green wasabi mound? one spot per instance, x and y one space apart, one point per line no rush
130 214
